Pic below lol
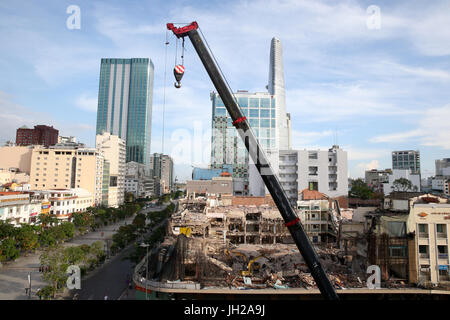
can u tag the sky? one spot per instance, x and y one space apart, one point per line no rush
370 79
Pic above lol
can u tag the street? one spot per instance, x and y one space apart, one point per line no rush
14 275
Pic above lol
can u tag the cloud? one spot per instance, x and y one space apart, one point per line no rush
433 129
356 153
397 137
362 167
300 139
13 116
87 103
374 164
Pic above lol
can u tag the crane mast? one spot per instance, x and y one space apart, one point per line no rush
259 158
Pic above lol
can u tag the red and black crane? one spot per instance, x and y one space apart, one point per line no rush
258 156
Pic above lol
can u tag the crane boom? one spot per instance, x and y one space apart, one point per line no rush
259 158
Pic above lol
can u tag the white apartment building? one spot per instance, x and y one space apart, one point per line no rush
402 173
17 207
324 171
161 167
438 183
138 180
113 149
316 216
431 224
64 202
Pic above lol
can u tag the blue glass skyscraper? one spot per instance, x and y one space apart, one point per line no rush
125 104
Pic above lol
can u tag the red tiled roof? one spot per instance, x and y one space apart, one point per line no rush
10 193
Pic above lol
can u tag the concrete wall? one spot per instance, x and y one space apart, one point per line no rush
16 157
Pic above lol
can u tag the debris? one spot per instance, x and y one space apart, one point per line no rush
278 285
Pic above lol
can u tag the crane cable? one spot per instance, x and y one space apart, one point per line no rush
164 92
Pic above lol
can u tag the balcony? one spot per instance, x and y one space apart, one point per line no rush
424 276
444 277
443 256
441 235
424 255
423 235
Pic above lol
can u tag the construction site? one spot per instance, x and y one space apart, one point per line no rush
242 247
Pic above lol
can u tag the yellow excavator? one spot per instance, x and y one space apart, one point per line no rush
229 254
251 267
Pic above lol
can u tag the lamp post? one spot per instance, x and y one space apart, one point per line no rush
145 245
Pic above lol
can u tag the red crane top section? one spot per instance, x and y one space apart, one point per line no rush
181 32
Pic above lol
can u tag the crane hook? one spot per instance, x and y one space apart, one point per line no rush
178 72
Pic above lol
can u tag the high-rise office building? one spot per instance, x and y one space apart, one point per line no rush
266 114
161 168
125 104
408 159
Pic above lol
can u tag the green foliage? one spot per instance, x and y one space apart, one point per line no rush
27 237
47 220
9 250
361 190
97 249
83 219
46 292
75 255
7 230
47 237
68 229
139 221
402 184
56 260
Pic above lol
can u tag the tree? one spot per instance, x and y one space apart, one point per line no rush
9 250
402 184
68 228
82 219
47 220
75 255
360 190
27 237
47 237
139 221
55 259
7 230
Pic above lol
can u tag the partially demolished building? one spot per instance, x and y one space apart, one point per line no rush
221 242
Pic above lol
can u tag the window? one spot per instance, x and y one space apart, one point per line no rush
220 112
265 103
253 103
423 249
397 251
254 113
265 123
440 228
254 123
243 102
265 113
312 155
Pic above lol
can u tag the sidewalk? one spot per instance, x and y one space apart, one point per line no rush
14 275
